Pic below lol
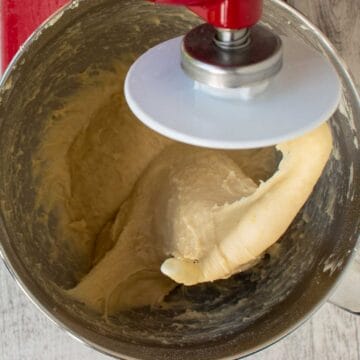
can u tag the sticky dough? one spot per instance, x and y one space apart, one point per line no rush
236 232
147 213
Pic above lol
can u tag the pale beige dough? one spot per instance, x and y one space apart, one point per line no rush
234 233
130 202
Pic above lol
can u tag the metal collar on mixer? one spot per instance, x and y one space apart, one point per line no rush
224 58
228 39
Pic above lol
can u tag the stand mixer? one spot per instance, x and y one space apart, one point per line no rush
229 83
241 85
95 33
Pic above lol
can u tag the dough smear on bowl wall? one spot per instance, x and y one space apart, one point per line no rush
140 213
104 220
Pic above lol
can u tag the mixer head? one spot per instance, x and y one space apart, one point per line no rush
230 83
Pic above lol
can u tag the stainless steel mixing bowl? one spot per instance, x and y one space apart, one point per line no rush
227 319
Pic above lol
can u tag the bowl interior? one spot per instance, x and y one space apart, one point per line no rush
207 321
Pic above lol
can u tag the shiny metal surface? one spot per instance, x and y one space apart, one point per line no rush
232 39
209 62
234 317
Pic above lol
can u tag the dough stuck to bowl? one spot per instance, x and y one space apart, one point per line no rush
239 231
141 214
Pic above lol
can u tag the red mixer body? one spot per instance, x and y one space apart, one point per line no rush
229 14
19 18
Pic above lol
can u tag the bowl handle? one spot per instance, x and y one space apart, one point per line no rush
347 295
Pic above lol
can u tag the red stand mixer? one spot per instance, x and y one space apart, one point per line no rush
234 83
21 18
32 80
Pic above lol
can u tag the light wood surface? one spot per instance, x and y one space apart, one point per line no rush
26 334
340 21
332 334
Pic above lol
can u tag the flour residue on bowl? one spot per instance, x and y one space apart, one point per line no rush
86 169
116 193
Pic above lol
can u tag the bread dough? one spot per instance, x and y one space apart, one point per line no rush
130 202
234 233
167 213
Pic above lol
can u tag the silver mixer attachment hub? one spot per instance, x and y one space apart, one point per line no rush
223 99
232 39
223 58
